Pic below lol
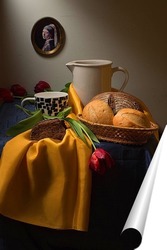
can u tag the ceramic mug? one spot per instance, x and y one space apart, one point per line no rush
51 102
92 77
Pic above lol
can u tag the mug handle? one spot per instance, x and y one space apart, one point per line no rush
116 69
27 99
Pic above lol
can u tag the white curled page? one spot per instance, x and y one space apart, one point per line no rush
145 227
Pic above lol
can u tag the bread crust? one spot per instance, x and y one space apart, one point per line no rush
52 128
119 100
128 117
98 111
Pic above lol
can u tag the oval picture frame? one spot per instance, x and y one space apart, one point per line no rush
47 36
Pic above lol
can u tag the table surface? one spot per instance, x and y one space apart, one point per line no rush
111 200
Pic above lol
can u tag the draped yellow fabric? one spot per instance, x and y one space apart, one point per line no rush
46 182
74 100
149 115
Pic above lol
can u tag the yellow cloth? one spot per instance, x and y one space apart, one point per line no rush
149 116
74 101
47 182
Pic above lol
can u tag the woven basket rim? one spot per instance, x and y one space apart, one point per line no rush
153 127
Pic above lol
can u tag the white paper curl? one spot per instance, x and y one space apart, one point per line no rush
145 224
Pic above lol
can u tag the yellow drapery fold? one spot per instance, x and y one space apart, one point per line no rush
46 183
74 101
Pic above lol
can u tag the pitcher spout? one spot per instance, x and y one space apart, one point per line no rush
70 66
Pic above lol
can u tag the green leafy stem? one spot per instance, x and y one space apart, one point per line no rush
34 117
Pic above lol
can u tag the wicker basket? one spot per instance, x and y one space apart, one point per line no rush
131 136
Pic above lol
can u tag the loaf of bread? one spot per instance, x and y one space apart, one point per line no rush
51 128
128 117
119 100
98 111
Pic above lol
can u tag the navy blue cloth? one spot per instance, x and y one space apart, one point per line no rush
111 200
9 116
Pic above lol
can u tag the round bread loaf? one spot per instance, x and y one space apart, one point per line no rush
128 117
98 111
119 100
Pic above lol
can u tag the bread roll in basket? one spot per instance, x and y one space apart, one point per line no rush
127 124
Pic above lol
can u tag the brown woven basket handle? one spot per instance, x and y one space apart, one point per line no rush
116 69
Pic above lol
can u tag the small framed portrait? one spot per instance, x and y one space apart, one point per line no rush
48 36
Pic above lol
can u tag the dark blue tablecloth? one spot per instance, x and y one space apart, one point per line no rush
9 116
112 198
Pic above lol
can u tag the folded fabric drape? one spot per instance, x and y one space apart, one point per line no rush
47 182
74 101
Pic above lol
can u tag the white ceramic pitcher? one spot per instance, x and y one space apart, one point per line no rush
91 77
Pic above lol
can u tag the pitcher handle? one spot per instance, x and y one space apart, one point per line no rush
116 69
